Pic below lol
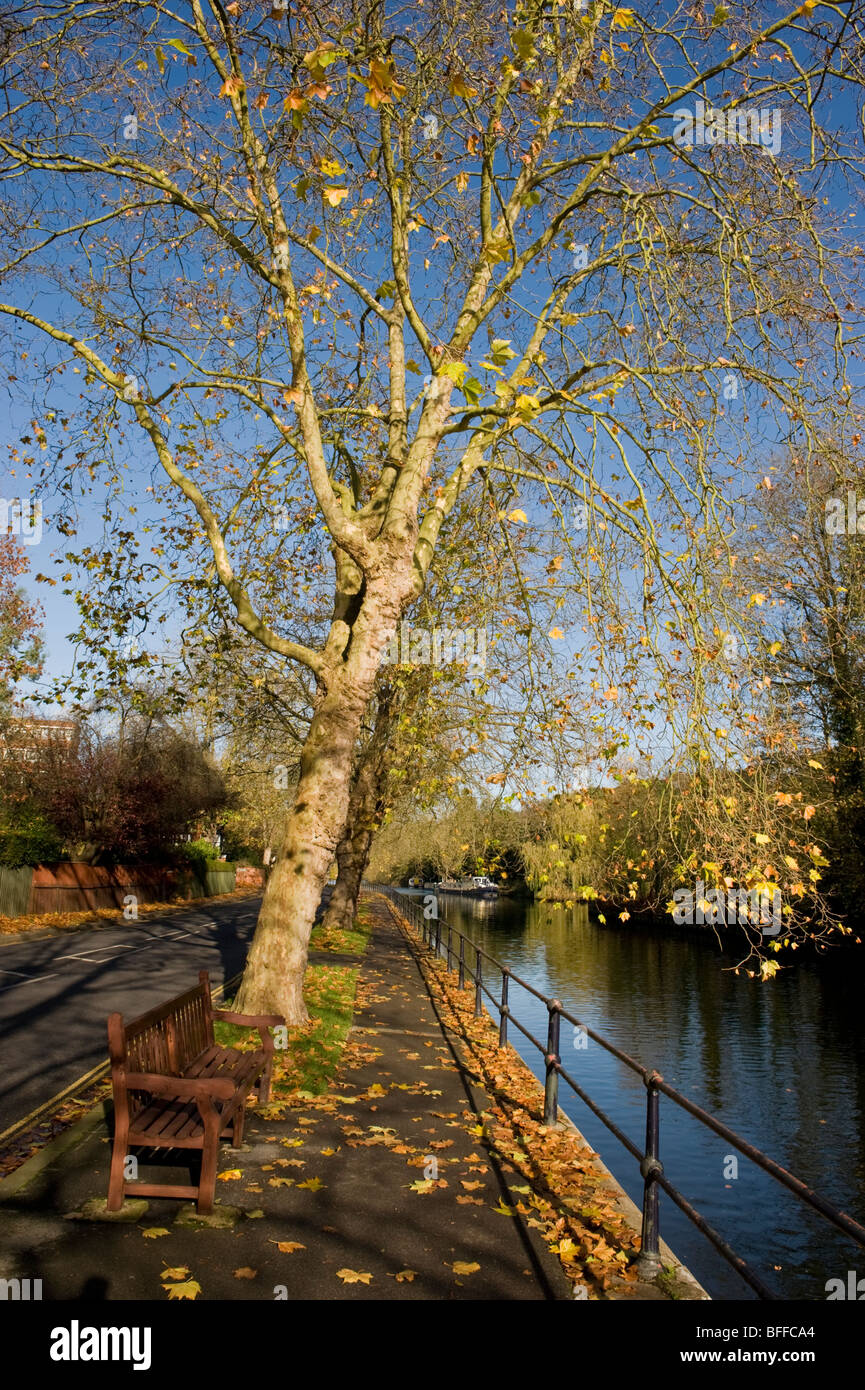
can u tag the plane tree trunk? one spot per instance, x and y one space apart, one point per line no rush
366 806
273 978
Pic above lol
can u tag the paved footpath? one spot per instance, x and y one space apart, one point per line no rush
334 1180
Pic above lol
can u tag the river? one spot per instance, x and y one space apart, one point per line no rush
782 1063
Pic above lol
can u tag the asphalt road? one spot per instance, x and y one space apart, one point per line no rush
56 991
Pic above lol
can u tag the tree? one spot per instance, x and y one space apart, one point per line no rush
118 794
275 215
20 643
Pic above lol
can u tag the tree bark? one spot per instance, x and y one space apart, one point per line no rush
365 808
273 978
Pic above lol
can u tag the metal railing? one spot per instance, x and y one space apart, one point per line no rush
433 928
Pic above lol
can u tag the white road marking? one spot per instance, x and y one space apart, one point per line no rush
34 979
97 951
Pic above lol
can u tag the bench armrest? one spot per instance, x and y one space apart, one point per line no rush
183 1087
260 1021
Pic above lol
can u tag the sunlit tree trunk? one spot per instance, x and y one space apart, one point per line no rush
273 979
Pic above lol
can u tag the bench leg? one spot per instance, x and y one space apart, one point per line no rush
115 1179
264 1083
207 1180
237 1132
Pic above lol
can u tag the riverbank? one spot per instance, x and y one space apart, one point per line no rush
403 1178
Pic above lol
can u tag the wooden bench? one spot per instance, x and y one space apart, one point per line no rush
174 1088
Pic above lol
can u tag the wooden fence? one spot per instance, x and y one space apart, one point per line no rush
81 887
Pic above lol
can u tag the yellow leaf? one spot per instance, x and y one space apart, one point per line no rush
190 1289
757 599
622 18
557 634
518 515
334 196
612 693
153 1231
312 1183
230 1175
461 1267
811 763
351 1276
181 1272
288 1247
405 1276
761 839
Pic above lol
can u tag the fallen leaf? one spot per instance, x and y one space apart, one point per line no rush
351 1276
287 1247
230 1175
460 1267
191 1289
405 1276
181 1272
246 1273
153 1231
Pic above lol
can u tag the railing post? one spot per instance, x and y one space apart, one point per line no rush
649 1261
479 1007
450 934
462 979
503 1010
553 1061
438 937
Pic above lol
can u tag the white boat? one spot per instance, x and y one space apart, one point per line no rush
478 886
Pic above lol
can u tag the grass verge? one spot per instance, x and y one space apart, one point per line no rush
309 1061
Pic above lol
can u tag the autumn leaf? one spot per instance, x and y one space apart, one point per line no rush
460 1267
470 1186
334 196
313 1184
245 1273
622 18
556 634
517 515
181 1272
287 1247
422 1185
230 1175
190 1289
405 1276
351 1276
153 1231
232 85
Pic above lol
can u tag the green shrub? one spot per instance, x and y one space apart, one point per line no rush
199 854
30 840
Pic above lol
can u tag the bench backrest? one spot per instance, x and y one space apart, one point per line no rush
166 1040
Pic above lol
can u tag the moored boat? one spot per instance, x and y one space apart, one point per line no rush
478 886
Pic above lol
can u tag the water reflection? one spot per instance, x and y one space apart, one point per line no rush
783 1064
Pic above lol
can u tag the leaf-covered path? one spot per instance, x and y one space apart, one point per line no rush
403 1180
